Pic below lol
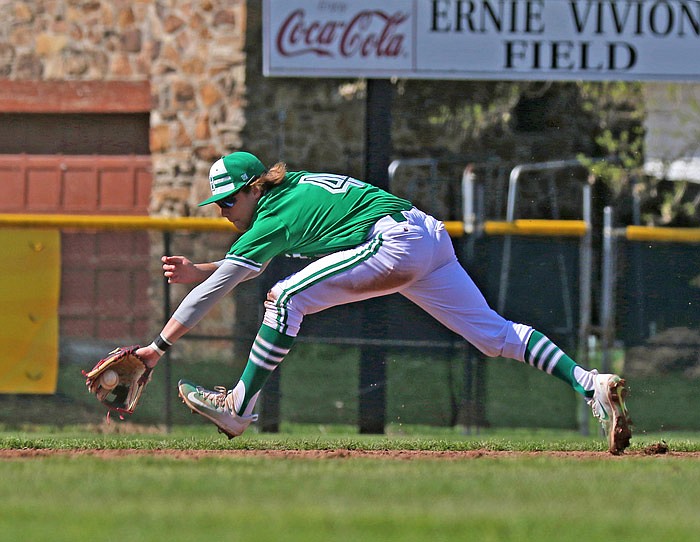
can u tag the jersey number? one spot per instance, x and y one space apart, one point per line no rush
335 184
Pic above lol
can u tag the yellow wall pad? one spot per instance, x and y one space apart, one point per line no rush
31 276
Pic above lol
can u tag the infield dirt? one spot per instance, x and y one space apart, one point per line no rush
31 453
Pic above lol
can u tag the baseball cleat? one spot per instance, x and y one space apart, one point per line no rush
608 405
215 405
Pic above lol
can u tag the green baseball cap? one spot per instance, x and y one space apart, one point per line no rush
232 172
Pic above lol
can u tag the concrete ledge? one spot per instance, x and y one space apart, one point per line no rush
75 96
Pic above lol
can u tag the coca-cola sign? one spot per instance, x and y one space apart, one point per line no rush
314 38
484 39
368 34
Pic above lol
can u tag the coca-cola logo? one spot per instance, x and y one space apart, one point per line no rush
368 33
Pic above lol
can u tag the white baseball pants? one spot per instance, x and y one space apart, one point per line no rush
415 258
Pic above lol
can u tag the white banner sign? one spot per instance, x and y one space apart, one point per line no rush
483 39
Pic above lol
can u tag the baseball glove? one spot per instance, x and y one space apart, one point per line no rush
133 376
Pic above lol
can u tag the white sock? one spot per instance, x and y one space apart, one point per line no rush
238 395
585 378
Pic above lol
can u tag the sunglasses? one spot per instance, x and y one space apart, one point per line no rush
227 203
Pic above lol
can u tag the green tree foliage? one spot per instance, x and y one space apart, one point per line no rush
619 108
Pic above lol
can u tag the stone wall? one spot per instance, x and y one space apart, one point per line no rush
190 51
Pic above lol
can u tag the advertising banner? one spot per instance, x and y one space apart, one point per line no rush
640 40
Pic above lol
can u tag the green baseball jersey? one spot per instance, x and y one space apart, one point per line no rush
311 214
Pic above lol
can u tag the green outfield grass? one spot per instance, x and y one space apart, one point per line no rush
519 497
530 498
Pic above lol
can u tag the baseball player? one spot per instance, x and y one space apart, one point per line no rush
364 243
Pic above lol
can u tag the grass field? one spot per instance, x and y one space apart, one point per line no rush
83 480
416 483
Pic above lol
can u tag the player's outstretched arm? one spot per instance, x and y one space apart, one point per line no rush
220 281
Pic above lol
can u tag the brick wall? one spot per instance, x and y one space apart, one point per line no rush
75 184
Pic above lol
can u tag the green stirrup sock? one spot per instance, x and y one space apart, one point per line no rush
268 350
548 357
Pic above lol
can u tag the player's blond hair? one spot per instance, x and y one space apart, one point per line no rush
272 177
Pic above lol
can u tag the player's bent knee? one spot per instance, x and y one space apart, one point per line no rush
489 351
281 314
509 343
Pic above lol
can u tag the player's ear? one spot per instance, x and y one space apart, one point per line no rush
257 191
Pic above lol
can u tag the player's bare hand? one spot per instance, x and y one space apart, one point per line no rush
178 269
149 356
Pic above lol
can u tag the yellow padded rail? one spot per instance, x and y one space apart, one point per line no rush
547 228
110 222
455 228
668 235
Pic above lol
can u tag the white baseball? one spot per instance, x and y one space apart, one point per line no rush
109 379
